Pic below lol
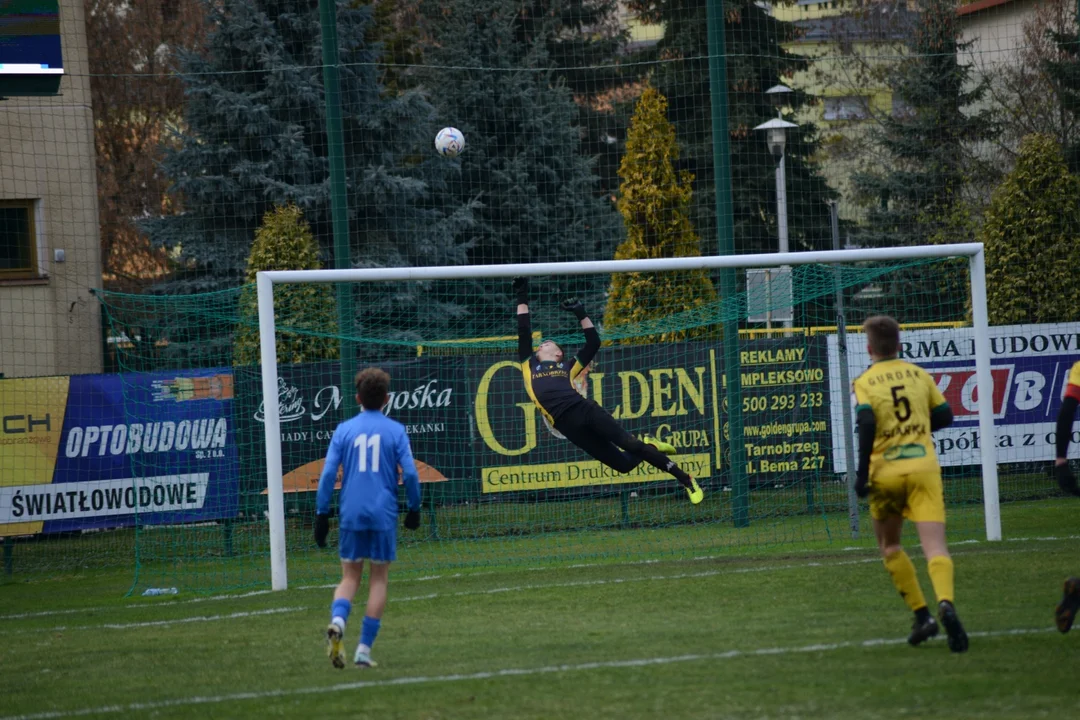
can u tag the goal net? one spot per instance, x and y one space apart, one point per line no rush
501 488
212 509
133 423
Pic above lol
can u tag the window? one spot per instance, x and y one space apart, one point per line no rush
850 107
18 240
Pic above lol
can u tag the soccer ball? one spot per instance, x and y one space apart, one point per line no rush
449 142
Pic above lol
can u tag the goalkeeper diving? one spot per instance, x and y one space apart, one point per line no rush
549 381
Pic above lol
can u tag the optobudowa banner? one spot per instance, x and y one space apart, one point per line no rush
91 451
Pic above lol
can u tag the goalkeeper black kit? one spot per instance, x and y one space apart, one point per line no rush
550 384
581 420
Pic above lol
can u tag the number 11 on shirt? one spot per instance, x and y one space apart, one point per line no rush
365 443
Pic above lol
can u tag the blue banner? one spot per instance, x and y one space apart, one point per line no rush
152 448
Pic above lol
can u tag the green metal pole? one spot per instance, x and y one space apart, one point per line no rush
339 201
725 245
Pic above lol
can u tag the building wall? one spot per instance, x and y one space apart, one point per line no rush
811 9
995 33
51 325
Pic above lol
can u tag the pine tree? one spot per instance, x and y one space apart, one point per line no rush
927 148
584 40
522 164
254 138
756 60
1063 71
395 27
654 200
921 195
1031 226
284 242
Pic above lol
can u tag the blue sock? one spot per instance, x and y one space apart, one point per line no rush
340 609
369 631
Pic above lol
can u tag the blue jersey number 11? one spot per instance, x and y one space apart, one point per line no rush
364 443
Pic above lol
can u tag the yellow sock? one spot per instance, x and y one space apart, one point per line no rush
903 576
941 575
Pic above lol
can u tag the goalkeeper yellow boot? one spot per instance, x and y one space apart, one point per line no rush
695 492
335 645
666 448
1065 612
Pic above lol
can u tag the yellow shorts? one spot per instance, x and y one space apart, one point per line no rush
916 496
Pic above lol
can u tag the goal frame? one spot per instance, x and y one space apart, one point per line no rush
266 280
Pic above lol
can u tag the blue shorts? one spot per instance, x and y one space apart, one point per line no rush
378 546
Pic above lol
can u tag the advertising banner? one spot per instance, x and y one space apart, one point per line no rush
1029 364
95 451
784 413
427 395
673 392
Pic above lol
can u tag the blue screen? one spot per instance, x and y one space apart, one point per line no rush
29 36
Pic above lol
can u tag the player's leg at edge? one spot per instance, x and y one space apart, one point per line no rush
351 572
940 566
902 571
666 448
1065 612
692 489
378 578
596 432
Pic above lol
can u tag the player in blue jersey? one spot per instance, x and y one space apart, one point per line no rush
370 447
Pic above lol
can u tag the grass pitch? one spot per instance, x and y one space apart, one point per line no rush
778 634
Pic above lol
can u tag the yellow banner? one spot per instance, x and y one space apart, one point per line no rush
511 478
31 421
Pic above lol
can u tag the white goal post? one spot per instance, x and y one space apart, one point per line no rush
265 282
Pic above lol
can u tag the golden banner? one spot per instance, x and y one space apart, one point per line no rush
550 476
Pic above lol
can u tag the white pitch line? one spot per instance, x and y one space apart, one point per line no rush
620 581
139 605
676 576
579 583
142 707
490 591
155 623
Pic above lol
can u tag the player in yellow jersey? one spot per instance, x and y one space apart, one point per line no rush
1070 601
898 407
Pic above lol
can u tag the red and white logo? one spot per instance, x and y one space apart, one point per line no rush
960 388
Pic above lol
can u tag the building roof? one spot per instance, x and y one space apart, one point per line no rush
980 5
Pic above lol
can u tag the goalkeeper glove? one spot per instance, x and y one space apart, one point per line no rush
521 290
573 305
862 485
412 519
322 529
1066 480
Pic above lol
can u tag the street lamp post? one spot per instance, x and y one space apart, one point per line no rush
776 138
